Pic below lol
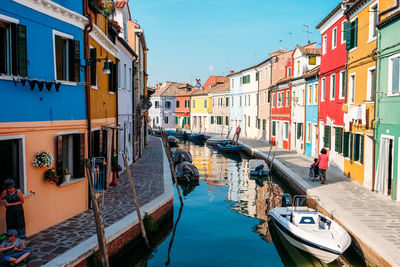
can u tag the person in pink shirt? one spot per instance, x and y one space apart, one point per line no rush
323 162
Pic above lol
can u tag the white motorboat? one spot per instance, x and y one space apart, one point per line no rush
309 230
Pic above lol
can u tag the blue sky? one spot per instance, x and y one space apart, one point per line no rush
186 37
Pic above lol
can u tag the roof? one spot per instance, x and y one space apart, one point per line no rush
312 51
333 12
284 80
119 4
169 89
219 88
354 6
311 73
389 19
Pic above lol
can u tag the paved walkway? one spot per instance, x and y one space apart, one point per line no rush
118 203
373 218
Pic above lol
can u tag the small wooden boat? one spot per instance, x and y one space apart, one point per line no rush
174 133
172 141
187 171
228 148
309 230
197 137
181 155
258 167
214 141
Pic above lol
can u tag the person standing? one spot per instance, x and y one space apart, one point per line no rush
323 162
12 198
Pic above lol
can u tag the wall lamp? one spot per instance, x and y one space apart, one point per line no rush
106 67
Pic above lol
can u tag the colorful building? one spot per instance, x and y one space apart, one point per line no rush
43 107
311 116
182 110
200 110
387 133
219 117
236 100
361 33
332 84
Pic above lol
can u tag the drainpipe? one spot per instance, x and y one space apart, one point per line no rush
86 53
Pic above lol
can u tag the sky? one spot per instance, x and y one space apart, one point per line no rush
190 39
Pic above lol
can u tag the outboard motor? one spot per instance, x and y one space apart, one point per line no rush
286 200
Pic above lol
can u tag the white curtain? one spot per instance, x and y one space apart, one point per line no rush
382 170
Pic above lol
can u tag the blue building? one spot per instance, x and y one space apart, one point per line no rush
311 120
43 106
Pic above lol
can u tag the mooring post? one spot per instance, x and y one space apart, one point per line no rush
135 200
171 164
101 237
270 165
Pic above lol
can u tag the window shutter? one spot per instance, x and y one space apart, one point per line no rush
74 61
351 146
226 120
77 61
357 147
264 124
355 32
115 76
212 119
362 149
93 66
346 144
59 58
22 51
348 34
111 77
14 43
59 153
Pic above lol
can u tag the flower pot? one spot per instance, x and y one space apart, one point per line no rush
67 177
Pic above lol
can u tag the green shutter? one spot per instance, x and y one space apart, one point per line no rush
212 119
356 147
22 51
327 137
263 124
362 149
355 32
346 144
348 35
340 131
351 146
226 120
274 128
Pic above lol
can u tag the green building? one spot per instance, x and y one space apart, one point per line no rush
387 111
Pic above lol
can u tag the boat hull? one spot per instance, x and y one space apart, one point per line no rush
174 133
197 137
229 149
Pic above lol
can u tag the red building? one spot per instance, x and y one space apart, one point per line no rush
332 83
182 110
214 80
281 109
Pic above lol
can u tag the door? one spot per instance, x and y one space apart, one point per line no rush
384 170
280 134
369 161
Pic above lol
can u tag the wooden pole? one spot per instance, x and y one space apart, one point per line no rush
135 200
269 153
270 166
101 237
229 132
171 164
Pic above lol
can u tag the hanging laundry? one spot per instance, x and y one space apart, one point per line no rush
364 114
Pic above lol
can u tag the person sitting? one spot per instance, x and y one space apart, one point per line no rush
13 249
315 168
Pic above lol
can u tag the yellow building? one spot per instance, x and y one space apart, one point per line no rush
200 110
358 146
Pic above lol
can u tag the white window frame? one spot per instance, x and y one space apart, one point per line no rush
341 87
352 84
315 93
284 131
273 100
323 89
67 36
369 83
332 90
371 24
334 33
390 75
324 44
342 36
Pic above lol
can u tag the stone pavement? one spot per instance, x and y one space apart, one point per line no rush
118 202
373 218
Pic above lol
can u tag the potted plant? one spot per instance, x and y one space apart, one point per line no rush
51 176
115 26
97 6
66 174
43 159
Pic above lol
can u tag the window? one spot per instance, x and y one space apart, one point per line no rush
273 100
358 154
177 103
13 49
125 82
67 58
324 41
333 86
70 153
130 80
371 86
246 79
213 102
257 76
352 87
316 93
93 67
394 75
327 137
334 38
346 144
187 103
157 120
286 130
166 120
232 101
12 159
308 132
258 123
323 89
338 139
342 36
194 103
167 104
312 60
274 128
287 98
248 121
177 120
227 101
265 98
263 124
351 31
248 98
289 72
309 94
300 131
240 98
212 119
373 20
227 120
298 67
279 100
342 84
157 104
219 120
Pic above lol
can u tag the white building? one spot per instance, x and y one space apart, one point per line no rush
236 100
250 82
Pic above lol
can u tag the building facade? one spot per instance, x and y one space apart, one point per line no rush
311 117
219 117
236 100
182 110
200 110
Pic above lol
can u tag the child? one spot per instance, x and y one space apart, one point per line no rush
315 168
13 248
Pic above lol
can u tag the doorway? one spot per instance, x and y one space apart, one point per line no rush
384 170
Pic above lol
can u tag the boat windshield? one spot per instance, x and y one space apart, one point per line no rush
301 202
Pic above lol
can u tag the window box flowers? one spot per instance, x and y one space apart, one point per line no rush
97 6
51 176
115 26
43 159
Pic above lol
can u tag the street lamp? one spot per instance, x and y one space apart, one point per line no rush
106 67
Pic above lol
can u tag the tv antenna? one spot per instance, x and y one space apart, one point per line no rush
308 32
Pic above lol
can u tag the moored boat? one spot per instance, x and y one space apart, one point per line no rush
229 148
197 137
187 171
311 231
258 167
174 133
214 141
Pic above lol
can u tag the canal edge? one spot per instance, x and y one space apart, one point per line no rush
371 255
159 207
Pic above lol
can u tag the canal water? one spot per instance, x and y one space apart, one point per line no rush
223 222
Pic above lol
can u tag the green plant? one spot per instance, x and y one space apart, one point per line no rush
115 167
115 24
43 159
51 176
149 223
66 171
